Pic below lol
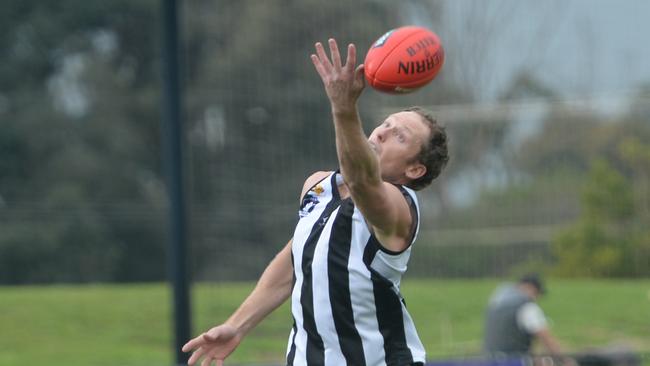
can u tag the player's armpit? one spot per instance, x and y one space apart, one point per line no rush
388 213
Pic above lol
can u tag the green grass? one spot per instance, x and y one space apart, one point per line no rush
583 314
131 324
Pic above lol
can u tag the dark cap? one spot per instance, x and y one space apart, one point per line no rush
535 280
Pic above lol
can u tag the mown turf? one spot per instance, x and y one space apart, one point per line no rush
130 325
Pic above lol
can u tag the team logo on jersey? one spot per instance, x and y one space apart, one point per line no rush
308 203
318 189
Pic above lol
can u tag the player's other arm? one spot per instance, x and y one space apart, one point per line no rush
272 289
274 286
382 204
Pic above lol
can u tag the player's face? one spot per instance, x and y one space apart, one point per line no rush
397 141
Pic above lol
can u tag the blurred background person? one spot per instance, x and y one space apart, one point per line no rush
514 321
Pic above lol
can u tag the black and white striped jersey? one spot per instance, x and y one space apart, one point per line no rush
346 304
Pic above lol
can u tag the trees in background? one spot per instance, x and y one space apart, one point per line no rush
79 181
579 183
611 237
81 194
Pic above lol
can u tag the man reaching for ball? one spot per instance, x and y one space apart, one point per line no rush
343 266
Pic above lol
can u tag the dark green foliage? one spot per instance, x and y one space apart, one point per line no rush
76 195
81 192
82 197
612 235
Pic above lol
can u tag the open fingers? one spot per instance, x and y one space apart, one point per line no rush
194 343
359 76
196 355
207 361
322 57
336 55
318 65
207 337
351 59
210 358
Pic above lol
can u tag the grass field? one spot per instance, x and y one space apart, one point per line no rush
131 324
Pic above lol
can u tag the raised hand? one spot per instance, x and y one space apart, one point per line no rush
343 83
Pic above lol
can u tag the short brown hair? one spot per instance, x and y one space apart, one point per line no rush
433 154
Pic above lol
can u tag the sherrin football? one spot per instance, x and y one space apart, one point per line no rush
404 60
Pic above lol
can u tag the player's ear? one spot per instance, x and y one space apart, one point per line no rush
415 170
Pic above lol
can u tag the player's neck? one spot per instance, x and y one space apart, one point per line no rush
344 192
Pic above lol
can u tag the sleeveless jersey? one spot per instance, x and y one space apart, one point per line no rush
345 302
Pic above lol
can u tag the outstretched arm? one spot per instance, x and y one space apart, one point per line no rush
272 289
382 204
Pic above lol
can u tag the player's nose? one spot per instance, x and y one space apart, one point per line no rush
381 134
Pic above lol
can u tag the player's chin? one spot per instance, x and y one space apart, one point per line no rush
373 147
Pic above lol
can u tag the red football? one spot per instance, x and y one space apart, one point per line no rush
403 60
